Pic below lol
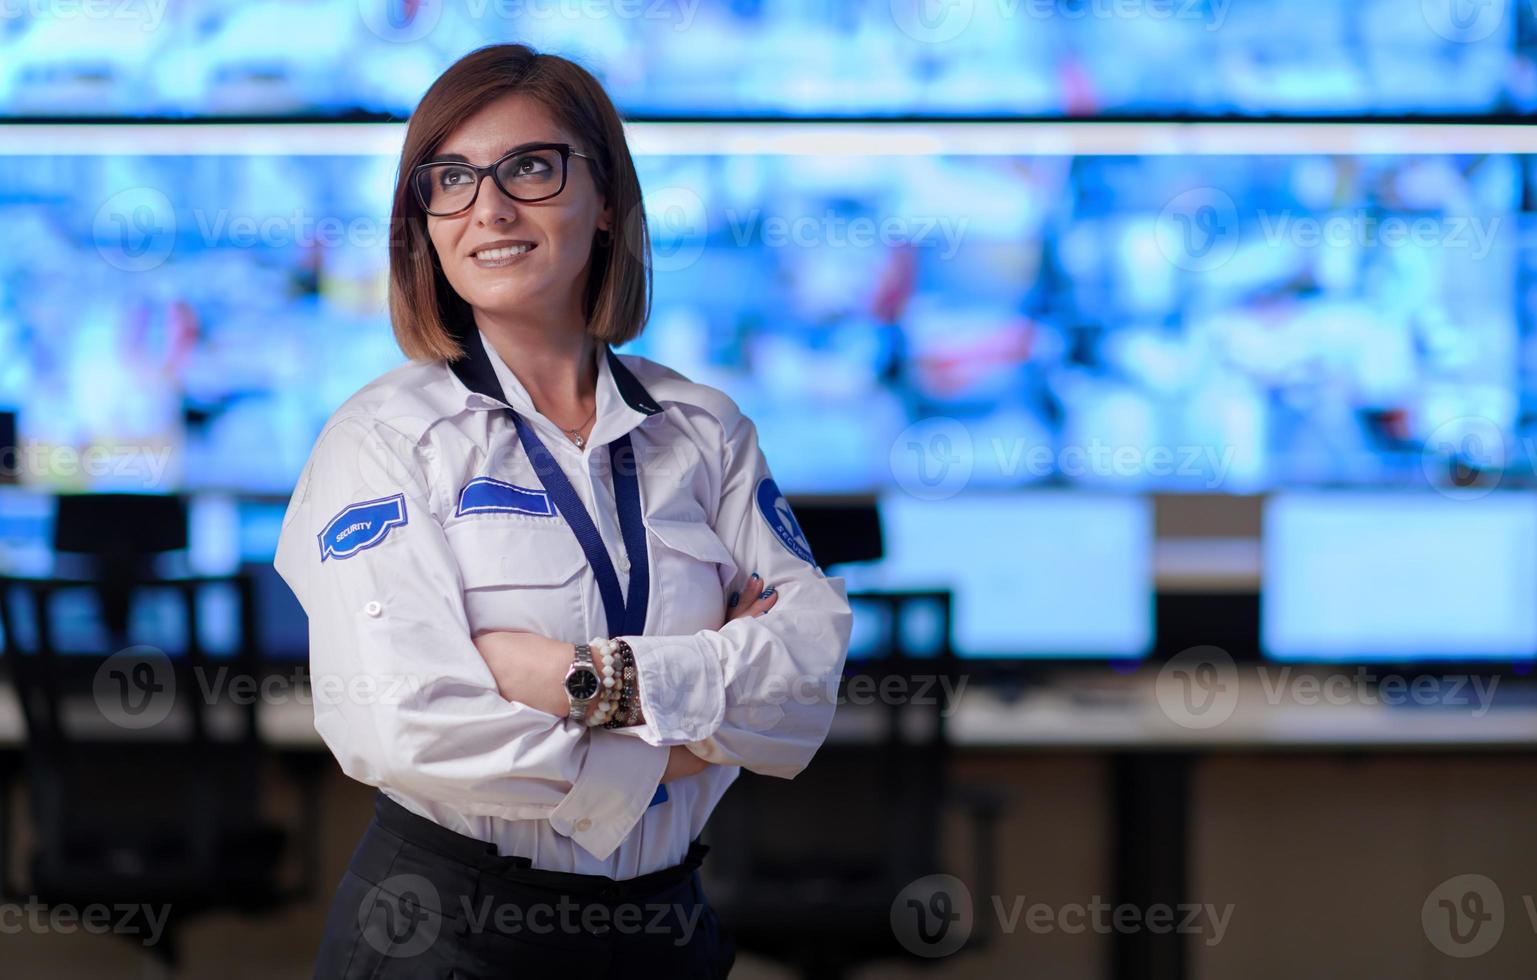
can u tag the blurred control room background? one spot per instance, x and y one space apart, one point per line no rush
1161 375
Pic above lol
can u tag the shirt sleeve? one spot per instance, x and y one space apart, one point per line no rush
402 697
760 691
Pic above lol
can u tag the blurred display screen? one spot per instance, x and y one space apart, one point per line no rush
1041 574
929 323
1400 576
1042 58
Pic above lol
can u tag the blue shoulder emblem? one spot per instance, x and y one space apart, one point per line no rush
776 511
484 495
361 526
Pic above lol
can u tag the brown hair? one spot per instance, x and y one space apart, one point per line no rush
428 315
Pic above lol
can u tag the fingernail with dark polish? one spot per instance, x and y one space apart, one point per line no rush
766 593
734 597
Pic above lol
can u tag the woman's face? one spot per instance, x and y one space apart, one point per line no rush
549 277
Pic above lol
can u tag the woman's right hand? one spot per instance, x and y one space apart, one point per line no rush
756 605
681 762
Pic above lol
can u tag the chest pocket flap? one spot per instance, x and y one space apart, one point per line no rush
694 538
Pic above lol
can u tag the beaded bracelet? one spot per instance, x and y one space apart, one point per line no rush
620 703
629 698
610 682
632 717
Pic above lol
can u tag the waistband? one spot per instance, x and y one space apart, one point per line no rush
482 855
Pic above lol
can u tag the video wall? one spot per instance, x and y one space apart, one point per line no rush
1217 324
941 320
854 58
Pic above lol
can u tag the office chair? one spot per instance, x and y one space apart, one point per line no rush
806 871
145 777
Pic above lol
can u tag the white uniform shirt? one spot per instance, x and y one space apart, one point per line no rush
418 521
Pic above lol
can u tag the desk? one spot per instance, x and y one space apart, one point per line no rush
1153 756
1154 746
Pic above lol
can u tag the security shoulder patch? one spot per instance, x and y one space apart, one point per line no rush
484 495
776 512
361 526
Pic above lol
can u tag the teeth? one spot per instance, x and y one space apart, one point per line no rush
502 253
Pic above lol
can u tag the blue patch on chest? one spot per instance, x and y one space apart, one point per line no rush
484 495
776 512
361 526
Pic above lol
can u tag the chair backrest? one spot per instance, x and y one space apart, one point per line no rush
118 536
137 751
134 689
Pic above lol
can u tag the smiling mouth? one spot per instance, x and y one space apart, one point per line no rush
502 255
505 252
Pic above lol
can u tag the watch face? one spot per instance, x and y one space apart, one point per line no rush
582 685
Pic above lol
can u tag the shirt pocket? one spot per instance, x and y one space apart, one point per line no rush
518 577
690 568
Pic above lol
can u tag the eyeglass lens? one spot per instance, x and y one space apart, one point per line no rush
450 187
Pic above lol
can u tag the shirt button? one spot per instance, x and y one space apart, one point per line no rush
584 824
374 608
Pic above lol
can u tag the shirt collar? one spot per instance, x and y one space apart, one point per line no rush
623 402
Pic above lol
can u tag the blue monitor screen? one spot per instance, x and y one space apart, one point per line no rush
1039 574
1044 58
1202 323
1400 576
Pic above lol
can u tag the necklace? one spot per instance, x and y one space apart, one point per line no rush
575 433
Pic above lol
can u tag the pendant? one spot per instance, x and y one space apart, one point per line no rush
580 442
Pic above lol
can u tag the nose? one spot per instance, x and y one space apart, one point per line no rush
492 206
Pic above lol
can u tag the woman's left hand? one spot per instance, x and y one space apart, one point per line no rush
529 668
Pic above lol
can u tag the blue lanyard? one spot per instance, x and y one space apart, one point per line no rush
624 619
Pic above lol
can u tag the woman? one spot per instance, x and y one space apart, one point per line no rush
520 630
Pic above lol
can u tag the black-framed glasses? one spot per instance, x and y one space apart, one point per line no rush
534 172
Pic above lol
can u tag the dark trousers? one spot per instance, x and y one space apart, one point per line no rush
420 901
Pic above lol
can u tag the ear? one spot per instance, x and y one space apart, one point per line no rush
606 218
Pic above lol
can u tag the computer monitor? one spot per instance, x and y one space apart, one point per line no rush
1035 574
1399 577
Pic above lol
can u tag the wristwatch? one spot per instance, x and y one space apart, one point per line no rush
582 683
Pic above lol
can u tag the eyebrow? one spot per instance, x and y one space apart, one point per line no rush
461 158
